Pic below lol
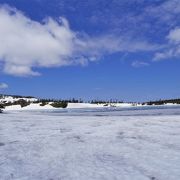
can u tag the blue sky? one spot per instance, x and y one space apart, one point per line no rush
125 50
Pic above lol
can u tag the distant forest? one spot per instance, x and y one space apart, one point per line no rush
64 102
162 102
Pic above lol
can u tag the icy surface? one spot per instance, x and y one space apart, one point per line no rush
90 145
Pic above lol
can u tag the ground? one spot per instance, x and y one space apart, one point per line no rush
42 146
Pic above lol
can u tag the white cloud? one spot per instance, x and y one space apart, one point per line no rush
3 86
174 35
167 54
138 64
167 11
173 48
27 44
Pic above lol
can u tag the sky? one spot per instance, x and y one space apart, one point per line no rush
105 49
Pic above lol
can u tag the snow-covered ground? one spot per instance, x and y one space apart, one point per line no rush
101 146
37 106
29 107
84 105
13 99
70 105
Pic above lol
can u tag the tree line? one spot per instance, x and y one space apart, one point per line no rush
162 102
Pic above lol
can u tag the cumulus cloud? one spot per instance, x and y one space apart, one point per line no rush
3 86
27 44
138 64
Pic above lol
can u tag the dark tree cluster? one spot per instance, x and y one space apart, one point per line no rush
58 104
21 102
162 102
43 101
53 103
